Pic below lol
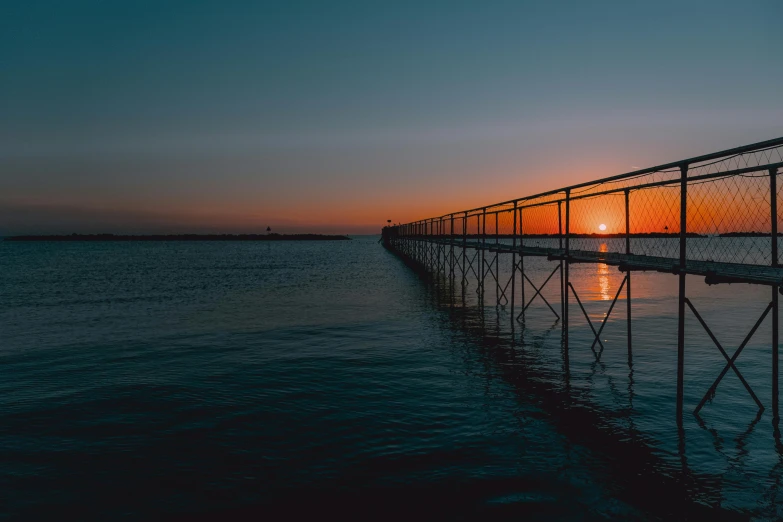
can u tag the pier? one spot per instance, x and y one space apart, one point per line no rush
714 216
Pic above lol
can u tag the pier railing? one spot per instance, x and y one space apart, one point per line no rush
714 215
693 203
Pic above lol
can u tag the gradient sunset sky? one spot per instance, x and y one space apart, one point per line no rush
320 116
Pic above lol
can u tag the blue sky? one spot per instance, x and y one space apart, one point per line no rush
334 116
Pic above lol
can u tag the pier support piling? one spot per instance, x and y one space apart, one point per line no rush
628 275
773 200
681 302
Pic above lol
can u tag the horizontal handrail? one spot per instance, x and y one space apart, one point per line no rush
664 169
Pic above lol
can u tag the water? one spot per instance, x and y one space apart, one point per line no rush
221 379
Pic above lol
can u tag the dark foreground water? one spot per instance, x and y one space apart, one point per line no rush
222 380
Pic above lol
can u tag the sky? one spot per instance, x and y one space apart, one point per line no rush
217 116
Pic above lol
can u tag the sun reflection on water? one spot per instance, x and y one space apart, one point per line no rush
603 277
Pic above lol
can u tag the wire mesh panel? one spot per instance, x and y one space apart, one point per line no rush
729 219
728 216
755 158
598 223
459 223
506 222
474 225
654 221
492 222
540 226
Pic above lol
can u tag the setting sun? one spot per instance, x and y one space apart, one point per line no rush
601 227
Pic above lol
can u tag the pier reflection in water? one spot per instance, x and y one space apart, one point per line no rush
729 455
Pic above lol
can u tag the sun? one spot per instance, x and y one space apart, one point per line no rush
601 227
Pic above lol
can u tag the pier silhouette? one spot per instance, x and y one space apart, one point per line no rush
714 216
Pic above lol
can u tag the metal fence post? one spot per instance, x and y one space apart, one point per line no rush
425 243
483 247
522 260
464 252
773 199
628 274
439 245
431 245
513 261
681 307
567 264
497 259
419 231
560 247
451 252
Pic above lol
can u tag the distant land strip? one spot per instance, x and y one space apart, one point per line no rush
182 237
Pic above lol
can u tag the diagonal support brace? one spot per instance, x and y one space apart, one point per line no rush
730 361
589 322
606 318
539 294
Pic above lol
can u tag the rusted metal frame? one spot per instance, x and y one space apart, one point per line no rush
729 360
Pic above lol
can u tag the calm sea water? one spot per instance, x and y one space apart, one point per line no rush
225 379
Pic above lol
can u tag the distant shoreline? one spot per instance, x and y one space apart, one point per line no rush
182 237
